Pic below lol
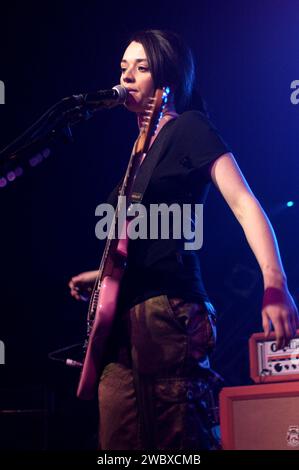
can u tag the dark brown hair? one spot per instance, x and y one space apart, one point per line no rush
171 64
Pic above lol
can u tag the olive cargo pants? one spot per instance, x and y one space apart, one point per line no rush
166 342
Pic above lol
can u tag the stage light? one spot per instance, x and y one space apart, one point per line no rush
3 182
11 176
290 203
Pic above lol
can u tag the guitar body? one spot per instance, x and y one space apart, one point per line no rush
104 299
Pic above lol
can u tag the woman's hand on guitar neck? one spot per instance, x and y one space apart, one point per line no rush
81 285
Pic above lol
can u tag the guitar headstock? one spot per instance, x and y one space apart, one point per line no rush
151 119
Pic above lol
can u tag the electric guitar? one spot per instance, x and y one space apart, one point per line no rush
103 303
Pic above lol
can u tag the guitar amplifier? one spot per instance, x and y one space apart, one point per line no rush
260 417
267 364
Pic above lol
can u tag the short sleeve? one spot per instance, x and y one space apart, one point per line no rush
199 140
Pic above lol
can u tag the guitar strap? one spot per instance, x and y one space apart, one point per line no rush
144 384
146 169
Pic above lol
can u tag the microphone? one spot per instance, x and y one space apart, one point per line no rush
103 98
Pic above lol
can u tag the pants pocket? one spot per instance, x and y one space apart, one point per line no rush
198 321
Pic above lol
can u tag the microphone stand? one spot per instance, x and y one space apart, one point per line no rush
34 144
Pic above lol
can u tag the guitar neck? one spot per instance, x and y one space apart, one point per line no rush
141 146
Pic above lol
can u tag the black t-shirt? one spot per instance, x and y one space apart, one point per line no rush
187 146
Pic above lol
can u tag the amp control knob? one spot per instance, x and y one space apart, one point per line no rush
278 367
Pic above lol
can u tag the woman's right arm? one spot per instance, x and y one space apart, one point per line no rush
81 285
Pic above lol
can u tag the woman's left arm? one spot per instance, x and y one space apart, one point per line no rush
278 305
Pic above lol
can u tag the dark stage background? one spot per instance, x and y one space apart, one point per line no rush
247 56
